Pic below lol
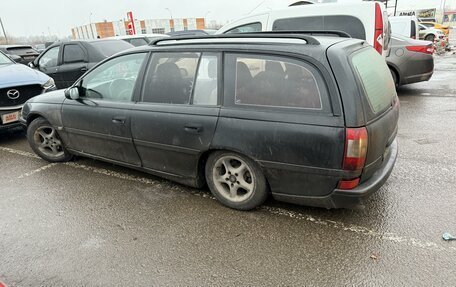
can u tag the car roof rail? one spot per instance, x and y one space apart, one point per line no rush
301 34
271 35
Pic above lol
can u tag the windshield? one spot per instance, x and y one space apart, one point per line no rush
4 59
109 48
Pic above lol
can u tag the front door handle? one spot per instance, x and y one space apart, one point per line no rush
84 69
193 128
119 120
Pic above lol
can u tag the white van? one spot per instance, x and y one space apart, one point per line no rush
367 21
406 26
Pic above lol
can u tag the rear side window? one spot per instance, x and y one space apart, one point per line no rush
349 24
375 78
73 54
275 82
247 28
413 30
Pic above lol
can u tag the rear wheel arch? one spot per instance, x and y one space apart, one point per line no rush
396 74
201 176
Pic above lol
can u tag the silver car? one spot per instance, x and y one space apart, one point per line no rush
410 61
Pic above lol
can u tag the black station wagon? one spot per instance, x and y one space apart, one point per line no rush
311 120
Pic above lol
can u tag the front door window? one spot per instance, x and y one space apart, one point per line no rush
114 80
50 58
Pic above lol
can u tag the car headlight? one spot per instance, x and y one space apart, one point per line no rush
49 85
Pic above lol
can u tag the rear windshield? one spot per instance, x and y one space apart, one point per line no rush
109 48
376 79
349 24
22 51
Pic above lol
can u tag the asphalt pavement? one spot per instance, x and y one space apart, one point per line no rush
88 223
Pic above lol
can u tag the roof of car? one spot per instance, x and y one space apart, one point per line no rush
324 38
292 43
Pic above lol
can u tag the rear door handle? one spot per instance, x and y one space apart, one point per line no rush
84 69
119 120
193 128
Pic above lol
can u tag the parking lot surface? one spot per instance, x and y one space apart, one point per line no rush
92 223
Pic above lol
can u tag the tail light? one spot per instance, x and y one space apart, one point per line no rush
356 140
427 49
378 32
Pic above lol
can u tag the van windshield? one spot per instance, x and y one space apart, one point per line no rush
376 79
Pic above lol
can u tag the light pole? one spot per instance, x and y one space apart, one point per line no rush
4 33
170 14
90 21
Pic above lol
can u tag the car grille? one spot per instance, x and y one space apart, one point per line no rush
25 93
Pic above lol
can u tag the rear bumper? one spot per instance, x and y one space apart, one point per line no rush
417 78
348 198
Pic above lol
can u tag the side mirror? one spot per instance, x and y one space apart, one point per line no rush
72 93
31 65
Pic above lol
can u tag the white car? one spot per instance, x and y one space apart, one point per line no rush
367 21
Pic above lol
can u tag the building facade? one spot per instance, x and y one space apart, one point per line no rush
149 26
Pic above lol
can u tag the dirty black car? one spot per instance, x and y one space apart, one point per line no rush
66 61
310 120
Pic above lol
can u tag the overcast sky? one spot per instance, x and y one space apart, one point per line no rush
41 17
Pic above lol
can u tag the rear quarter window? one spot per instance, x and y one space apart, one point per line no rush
276 82
349 24
375 78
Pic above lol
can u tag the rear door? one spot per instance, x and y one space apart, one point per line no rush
74 63
277 110
380 103
174 121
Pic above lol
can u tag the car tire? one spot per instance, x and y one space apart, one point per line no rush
393 74
429 38
46 142
235 180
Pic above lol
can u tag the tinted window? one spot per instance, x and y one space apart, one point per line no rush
375 78
349 24
206 82
138 42
50 58
73 54
275 81
22 51
170 78
247 28
110 47
413 30
114 80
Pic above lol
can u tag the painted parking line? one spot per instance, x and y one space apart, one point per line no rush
37 170
359 230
